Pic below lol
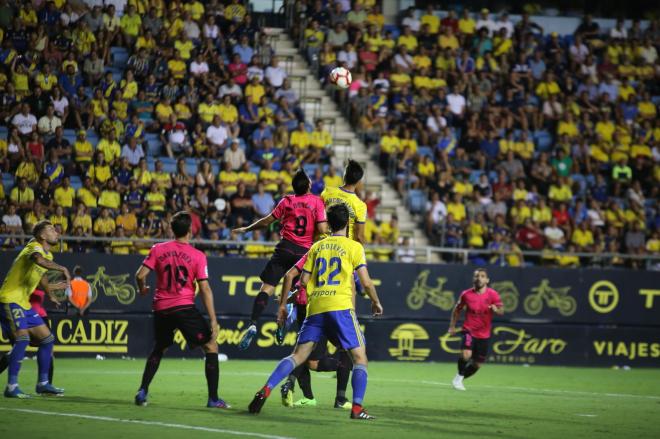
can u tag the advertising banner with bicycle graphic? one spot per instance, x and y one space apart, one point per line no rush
535 295
408 291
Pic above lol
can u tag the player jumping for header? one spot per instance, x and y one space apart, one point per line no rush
178 266
327 276
301 215
19 321
480 303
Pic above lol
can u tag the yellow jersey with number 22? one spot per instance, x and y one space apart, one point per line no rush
331 263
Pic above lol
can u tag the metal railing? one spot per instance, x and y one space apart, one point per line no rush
423 254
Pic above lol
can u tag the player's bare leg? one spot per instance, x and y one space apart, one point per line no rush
465 366
42 335
359 383
300 354
260 304
212 371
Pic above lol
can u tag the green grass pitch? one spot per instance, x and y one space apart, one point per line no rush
410 401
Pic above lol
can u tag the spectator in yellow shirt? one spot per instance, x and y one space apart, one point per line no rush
456 208
87 194
130 24
331 179
582 237
22 195
430 19
99 171
466 24
65 194
407 39
154 199
104 225
560 191
127 220
235 12
447 39
110 197
547 87
390 144
300 139
110 148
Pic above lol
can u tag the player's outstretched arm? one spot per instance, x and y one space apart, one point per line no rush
207 300
141 280
39 259
259 224
370 289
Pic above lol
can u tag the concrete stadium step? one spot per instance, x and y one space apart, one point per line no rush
348 143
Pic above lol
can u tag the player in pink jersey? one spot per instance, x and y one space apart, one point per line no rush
178 266
480 303
319 360
301 216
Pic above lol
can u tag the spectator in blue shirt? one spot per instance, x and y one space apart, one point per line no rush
490 146
244 51
70 81
263 201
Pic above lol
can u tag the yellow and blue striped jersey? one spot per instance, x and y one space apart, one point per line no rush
24 276
357 209
331 263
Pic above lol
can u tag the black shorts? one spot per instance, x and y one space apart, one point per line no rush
286 255
478 346
193 326
320 350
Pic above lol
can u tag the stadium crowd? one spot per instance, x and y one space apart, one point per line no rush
504 135
118 113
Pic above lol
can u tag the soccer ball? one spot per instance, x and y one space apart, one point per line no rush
341 77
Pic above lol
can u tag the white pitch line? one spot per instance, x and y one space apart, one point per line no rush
153 423
586 415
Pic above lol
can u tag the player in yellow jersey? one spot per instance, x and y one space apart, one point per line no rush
357 210
327 276
19 322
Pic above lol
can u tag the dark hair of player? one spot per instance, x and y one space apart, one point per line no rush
180 224
353 173
300 182
482 270
77 271
337 216
40 227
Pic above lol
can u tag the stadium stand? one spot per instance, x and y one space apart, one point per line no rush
499 134
503 135
136 109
